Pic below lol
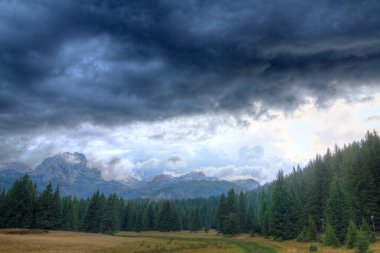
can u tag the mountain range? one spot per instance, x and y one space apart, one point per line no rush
72 173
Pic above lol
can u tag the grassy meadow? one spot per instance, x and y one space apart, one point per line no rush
151 242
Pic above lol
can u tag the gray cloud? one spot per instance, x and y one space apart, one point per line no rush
112 62
373 118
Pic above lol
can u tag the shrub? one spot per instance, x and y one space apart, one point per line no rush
313 248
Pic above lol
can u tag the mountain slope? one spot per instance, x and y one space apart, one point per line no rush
74 177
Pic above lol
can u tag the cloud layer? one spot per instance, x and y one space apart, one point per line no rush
115 62
231 88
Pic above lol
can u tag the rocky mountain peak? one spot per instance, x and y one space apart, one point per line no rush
65 166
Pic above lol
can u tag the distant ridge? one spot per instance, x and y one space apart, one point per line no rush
72 173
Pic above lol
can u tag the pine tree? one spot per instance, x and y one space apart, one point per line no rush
251 221
362 243
285 211
222 212
46 215
164 219
317 184
175 221
231 224
311 230
19 204
367 231
195 221
351 235
94 214
68 219
56 209
110 217
264 215
336 211
2 207
331 238
242 211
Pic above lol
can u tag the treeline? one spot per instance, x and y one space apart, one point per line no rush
23 207
334 195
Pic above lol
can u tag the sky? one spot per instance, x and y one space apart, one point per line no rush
235 89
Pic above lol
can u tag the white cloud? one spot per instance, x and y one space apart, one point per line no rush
218 145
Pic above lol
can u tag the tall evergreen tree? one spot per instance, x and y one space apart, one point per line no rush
69 214
19 204
351 236
231 224
367 231
251 221
336 211
56 209
222 212
47 210
285 211
110 218
242 212
265 215
331 239
311 230
195 221
94 215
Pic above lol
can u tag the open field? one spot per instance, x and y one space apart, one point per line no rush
151 242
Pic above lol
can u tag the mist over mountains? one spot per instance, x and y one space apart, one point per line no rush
73 174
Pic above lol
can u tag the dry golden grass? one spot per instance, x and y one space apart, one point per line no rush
152 242
295 247
57 242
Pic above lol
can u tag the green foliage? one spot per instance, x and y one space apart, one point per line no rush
302 237
311 233
331 238
231 224
285 211
206 228
242 212
69 214
94 215
264 215
351 236
168 219
367 231
313 248
195 221
340 184
336 211
111 219
362 243
229 214
19 204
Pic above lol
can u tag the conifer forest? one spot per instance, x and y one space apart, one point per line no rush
334 198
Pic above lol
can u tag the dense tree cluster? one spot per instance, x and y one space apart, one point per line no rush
23 207
336 195
236 214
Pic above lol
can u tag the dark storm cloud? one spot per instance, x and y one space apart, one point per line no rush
115 62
